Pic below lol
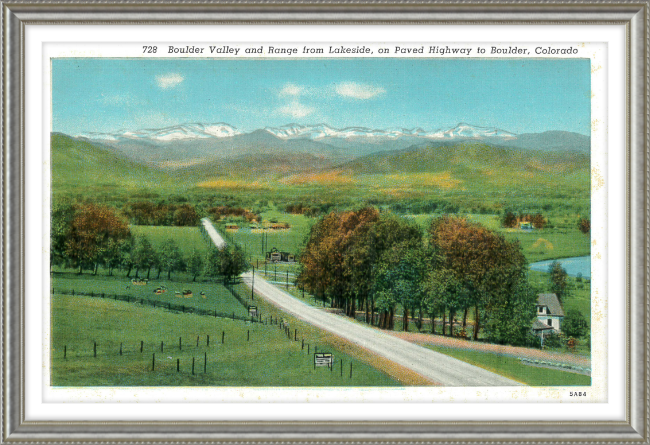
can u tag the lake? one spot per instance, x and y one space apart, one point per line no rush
573 266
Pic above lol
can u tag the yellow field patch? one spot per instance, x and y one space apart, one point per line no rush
541 241
442 180
233 184
335 177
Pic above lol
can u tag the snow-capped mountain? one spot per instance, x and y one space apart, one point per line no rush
187 132
193 142
464 130
183 132
320 131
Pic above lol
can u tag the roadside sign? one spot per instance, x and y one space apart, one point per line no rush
323 359
252 311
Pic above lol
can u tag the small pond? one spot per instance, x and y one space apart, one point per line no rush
573 266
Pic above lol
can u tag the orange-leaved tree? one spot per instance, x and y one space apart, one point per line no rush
484 262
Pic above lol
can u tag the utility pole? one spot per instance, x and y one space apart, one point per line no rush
253 286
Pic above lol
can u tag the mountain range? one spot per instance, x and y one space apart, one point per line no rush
191 144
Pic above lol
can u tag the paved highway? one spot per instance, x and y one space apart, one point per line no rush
437 367
213 234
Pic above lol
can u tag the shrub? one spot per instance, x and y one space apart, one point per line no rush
553 341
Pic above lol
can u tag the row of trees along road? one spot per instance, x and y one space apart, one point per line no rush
381 263
87 237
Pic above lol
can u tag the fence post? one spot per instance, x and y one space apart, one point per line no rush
295 335
303 344
248 335
95 349
180 344
161 346
233 316
307 348
205 362
120 348
192 365
350 369
341 367
197 341
141 346
65 351
223 335
207 342
153 362
178 365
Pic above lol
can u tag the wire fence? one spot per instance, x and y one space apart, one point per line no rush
165 305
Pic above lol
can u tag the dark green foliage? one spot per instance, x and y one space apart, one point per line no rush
228 263
195 263
559 282
171 259
553 341
509 220
574 324
144 256
584 225
509 320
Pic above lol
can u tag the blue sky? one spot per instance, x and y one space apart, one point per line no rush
522 95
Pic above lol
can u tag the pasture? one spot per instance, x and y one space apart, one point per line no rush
217 297
252 354
187 238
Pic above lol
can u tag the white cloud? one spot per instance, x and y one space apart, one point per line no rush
291 89
171 80
358 90
296 109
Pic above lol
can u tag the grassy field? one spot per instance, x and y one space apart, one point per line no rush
512 368
216 298
186 238
251 355
291 240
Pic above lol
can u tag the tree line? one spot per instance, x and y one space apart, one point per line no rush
86 237
383 264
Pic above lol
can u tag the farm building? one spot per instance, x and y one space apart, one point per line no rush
549 313
280 226
232 227
275 256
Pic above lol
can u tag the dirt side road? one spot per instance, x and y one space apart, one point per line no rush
437 367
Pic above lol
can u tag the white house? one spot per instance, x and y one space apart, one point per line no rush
549 314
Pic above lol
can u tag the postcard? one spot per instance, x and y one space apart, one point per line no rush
319 218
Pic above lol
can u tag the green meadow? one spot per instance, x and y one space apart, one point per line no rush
513 368
187 238
252 354
217 297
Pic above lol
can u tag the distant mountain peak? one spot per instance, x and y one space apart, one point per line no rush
182 132
465 130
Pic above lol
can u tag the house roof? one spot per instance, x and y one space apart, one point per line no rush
551 302
539 326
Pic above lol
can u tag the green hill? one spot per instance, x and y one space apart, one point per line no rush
79 164
468 157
